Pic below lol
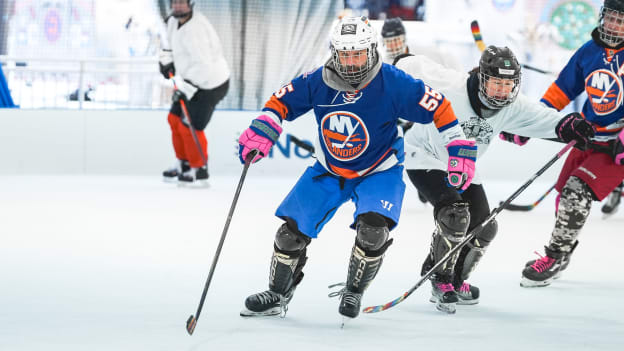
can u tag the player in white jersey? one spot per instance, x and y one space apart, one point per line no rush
487 102
195 57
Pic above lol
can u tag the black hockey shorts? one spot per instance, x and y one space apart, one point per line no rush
202 105
432 185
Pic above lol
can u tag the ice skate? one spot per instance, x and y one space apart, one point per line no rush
171 175
267 303
565 261
195 178
443 295
613 203
467 294
543 270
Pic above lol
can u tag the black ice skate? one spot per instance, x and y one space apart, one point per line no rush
565 261
613 202
467 294
543 270
267 303
171 175
443 294
195 177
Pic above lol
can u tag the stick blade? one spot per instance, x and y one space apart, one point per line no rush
512 207
191 322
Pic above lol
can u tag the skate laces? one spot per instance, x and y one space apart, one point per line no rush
543 263
446 287
268 296
348 297
464 288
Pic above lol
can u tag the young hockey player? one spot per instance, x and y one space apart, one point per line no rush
487 102
596 68
201 75
356 101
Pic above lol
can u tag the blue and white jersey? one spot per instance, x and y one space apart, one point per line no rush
357 130
598 71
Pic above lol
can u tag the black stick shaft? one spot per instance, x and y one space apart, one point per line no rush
190 326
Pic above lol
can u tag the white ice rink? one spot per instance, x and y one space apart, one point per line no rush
119 263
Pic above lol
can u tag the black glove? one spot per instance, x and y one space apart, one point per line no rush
513 138
166 69
574 127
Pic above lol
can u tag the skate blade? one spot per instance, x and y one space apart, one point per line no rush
467 302
528 283
608 215
443 307
344 321
170 180
275 311
198 184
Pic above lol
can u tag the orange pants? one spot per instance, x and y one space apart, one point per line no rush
183 143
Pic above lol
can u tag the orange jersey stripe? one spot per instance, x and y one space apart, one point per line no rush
278 106
444 115
556 97
350 174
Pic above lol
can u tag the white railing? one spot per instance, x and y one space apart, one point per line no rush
87 83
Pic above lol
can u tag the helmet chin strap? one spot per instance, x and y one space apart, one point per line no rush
182 15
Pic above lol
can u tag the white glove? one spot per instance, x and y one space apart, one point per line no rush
165 56
184 87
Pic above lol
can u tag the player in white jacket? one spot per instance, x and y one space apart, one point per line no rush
487 102
201 74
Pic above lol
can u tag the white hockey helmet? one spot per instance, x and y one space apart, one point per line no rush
353 47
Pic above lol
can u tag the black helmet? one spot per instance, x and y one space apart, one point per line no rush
393 34
392 27
498 63
612 12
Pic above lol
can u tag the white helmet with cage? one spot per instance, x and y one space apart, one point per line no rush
353 47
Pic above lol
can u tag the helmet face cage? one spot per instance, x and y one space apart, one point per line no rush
498 91
394 45
499 76
354 49
611 24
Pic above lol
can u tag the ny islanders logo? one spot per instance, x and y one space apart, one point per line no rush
344 135
604 90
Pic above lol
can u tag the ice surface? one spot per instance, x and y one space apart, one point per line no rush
119 263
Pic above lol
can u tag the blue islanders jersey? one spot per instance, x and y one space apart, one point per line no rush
598 71
358 130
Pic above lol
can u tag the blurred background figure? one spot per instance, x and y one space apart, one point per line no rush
194 60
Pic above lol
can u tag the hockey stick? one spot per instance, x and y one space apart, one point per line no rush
187 118
524 208
302 144
478 38
471 235
192 320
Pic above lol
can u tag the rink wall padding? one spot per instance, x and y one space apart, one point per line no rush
137 142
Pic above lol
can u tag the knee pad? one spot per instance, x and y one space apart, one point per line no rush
291 242
372 234
452 220
484 237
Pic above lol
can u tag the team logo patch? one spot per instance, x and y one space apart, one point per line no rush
348 28
344 135
478 129
454 163
604 90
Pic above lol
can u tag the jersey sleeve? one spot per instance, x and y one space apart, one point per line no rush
531 119
422 104
292 100
568 85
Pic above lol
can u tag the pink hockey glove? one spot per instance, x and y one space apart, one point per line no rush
261 135
618 149
461 163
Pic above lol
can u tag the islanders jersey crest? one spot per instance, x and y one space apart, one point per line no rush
344 135
604 91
